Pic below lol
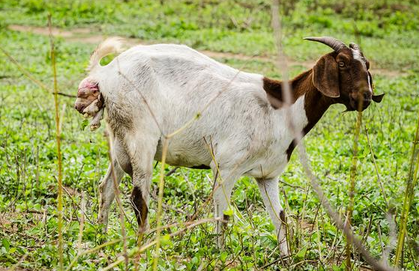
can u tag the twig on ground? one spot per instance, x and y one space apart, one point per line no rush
58 139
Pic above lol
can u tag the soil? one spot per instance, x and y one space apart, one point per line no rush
91 36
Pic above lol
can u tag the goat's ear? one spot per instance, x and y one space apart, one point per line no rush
326 76
378 98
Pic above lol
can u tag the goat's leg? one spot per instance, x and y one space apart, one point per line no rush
141 154
222 194
140 198
107 191
120 164
270 195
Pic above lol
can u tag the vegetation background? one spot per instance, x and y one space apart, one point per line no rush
239 34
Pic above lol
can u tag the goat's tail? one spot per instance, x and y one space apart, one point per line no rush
109 46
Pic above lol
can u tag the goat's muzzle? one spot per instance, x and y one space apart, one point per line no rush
359 101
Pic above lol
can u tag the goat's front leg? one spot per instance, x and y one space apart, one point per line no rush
222 194
270 195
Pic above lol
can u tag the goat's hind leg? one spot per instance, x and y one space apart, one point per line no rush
139 201
141 154
119 165
107 191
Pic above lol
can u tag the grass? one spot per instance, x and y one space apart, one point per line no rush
28 205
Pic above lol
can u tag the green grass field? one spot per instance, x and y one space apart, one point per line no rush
239 34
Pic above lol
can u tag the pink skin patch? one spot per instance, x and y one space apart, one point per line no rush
88 94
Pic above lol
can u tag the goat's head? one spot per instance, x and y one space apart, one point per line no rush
343 75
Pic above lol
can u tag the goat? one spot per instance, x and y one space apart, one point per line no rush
151 91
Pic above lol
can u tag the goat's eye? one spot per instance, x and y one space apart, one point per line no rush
341 64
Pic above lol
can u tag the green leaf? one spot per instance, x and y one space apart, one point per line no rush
6 244
228 212
84 124
302 252
223 256
165 240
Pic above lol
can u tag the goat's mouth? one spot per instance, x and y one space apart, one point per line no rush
358 104
356 107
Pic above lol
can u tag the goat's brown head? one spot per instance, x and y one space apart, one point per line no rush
343 75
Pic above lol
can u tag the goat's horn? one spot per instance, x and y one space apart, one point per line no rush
329 41
354 46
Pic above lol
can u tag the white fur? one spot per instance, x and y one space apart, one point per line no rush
109 46
369 83
246 135
357 55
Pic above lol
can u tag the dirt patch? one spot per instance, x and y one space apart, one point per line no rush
55 31
86 35
16 268
90 36
5 218
306 226
9 220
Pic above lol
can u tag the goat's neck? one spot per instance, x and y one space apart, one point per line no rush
315 103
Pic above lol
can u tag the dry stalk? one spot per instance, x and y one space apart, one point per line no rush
352 180
303 155
119 203
76 205
393 238
199 114
33 79
220 183
142 97
376 168
19 262
411 183
164 153
143 248
28 74
83 211
194 118
283 68
91 251
58 139
160 200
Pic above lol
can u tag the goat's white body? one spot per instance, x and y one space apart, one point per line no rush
178 82
152 91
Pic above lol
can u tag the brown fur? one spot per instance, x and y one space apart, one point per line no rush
140 207
327 83
315 103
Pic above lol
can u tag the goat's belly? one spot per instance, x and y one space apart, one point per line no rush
190 155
